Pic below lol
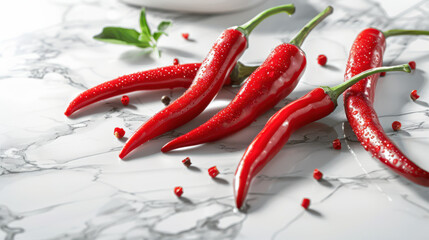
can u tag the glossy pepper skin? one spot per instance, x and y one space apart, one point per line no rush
367 52
270 83
169 77
311 107
210 77
208 81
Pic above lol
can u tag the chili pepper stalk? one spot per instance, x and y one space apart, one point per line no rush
214 70
315 105
266 87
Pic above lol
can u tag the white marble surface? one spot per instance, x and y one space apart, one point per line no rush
60 178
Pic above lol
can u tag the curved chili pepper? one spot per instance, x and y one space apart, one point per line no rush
176 76
264 88
367 52
313 106
209 79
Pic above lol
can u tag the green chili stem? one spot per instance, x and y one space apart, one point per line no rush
300 37
248 27
397 32
240 73
335 92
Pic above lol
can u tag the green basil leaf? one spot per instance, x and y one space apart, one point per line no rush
157 35
120 35
143 23
163 26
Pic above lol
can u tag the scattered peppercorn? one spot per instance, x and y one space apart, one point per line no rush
213 172
166 100
317 174
336 144
185 36
414 95
178 191
125 100
412 65
175 61
382 74
119 132
322 59
305 203
396 125
187 162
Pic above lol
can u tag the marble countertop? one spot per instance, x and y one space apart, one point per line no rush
61 178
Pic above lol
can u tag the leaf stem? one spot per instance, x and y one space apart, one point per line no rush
248 27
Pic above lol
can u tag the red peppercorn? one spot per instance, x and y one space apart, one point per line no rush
178 191
119 132
305 203
187 162
382 74
185 36
213 172
125 100
175 61
414 95
336 144
322 59
317 174
396 125
412 65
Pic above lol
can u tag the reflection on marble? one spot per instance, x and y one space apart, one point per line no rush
60 178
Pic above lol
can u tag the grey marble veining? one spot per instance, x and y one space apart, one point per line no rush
60 178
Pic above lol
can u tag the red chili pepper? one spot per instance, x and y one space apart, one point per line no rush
414 95
367 52
207 83
315 105
336 144
317 174
382 74
125 100
264 88
396 126
178 76
322 59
